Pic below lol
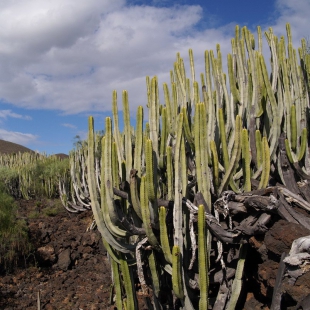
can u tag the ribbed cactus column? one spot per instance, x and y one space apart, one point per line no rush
161 181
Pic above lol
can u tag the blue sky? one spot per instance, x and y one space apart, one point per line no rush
61 59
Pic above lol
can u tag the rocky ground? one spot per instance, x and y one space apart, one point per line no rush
68 266
262 266
69 269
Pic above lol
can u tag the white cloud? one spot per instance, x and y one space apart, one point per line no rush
51 60
17 137
69 55
69 126
297 14
37 25
8 113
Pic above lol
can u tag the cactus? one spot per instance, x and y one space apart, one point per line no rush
164 240
32 175
157 180
203 259
176 272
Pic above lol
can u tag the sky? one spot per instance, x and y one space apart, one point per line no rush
60 60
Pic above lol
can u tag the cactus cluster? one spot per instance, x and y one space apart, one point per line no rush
152 186
28 175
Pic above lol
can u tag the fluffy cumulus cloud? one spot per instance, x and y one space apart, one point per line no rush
17 137
69 55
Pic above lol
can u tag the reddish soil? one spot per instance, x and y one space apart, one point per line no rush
68 265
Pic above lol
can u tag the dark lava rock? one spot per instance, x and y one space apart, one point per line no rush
252 304
281 236
46 254
300 289
267 273
64 259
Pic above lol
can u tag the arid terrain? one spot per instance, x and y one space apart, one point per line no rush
68 265
68 268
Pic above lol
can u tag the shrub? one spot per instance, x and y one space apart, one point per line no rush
13 232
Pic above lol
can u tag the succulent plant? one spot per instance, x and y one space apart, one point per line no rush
161 185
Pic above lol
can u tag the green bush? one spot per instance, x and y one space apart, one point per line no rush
13 232
53 209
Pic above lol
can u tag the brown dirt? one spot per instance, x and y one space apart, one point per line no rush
68 265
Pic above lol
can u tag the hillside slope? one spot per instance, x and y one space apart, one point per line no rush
7 147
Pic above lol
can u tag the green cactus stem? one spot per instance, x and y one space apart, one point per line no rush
176 272
107 198
117 135
197 146
275 127
163 138
303 144
117 284
134 193
170 176
288 151
234 157
237 284
154 273
164 240
128 284
202 260
215 165
246 160
204 155
223 139
293 128
177 210
146 216
187 129
259 151
116 244
266 164
150 170
128 142
138 141
232 79
154 115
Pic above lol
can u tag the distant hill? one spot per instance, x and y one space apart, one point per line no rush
7 147
61 155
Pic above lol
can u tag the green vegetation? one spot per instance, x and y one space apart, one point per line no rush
27 176
31 175
48 208
13 232
221 134
54 208
153 188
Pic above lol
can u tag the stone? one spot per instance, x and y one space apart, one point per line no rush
280 237
64 259
46 254
267 273
300 289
